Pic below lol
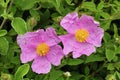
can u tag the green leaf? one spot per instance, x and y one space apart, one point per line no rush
19 25
100 5
117 51
106 24
106 37
4 45
110 54
21 71
105 15
35 13
57 4
53 75
118 74
75 61
25 4
115 31
93 58
110 66
69 2
89 5
87 70
3 32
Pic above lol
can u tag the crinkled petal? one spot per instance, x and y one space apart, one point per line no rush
55 55
41 65
29 40
27 56
83 48
87 22
51 37
70 22
96 36
68 43
28 43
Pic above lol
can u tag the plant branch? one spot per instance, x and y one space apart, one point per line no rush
8 10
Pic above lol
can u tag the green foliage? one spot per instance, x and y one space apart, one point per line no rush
20 16
19 25
21 71
4 45
3 33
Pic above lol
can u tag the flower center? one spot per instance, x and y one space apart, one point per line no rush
81 35
42 49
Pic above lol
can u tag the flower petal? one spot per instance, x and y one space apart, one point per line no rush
51 37
87 22
55 55
29 40
28 43
70 22
68 43
27 56
83 48
95 36
41 65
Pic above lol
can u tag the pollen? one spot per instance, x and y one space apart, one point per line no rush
81 35
42 49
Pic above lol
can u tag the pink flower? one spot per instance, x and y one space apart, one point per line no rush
41 47
83 34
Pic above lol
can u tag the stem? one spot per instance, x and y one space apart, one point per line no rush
3 22
8 10
67 78
10 6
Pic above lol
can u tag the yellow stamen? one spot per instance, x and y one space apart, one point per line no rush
81 35
42 49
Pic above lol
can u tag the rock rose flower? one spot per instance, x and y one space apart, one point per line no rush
84 34
41 48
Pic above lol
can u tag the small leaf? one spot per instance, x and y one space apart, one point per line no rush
106 24
106 37
115 31
3 32
53 75
117 51
93 58
35 14
4 45
25 4
69 2
100 5
110 54
105 15
87 70
87 5
118 74
75 61
110 66
19 25
21 71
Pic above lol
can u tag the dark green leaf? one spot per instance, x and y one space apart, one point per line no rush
110 54
4 45
75 61
25 4
55 74
93 58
